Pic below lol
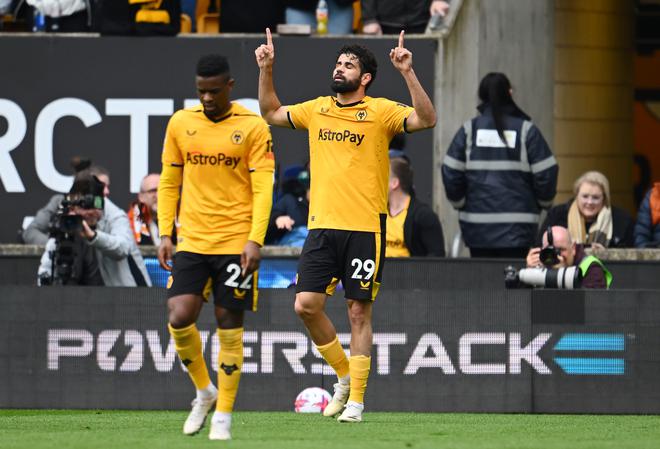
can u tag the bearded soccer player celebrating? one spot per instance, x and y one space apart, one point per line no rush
348 139
219 156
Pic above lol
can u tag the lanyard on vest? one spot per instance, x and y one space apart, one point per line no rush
586 263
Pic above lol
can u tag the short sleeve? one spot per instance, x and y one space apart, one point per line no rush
300 114
394 115
261 157
171 153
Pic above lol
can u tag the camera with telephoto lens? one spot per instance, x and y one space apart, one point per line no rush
64 223
549 256
567 278
65 227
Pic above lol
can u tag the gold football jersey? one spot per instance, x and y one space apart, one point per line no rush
216 157
349 159
395 237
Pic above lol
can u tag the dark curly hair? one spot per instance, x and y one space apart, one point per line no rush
366 58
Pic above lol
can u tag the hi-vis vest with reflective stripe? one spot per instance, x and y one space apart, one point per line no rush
499 187
490 138
586 263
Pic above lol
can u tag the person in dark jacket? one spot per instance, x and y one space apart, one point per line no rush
288 218
413 229
340 14
647 228
590 217
499 173
250 16
593 271
392 16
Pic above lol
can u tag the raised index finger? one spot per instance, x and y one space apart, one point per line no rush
269 37
401 39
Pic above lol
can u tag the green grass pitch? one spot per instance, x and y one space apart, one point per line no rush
87 429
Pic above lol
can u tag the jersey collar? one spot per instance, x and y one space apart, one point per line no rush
339 105
224 117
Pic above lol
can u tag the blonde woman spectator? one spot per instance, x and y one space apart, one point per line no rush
590 217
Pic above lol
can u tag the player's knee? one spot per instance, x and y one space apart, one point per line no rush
179 315
305 308
302 311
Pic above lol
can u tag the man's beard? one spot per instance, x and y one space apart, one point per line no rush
344 86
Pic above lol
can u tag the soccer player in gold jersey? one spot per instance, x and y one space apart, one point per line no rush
218 160
348 141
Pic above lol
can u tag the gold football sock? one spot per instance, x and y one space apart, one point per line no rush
188 345
359 366
230 362
334 354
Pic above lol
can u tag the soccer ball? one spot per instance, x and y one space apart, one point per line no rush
312 400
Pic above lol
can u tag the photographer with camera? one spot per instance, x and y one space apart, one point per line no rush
559 251
91 242
37 232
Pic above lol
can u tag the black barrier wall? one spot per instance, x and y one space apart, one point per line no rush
441 350
416 273
110 98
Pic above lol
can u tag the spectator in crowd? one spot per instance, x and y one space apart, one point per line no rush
398 147
37 231
593 271
288 218
499 173
590 218
65 16
138 17
6 6
104 251
340 14
143 212
413 229
250 16
392 16
647 228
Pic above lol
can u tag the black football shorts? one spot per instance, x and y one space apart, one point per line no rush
353 257
199 274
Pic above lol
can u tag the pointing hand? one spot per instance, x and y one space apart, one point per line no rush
400 56
265 53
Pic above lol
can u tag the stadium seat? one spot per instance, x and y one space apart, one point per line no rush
208 23
357 18
186 24
7 23
208 16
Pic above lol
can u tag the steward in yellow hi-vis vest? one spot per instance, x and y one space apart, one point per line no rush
349 137
218 167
